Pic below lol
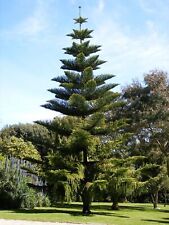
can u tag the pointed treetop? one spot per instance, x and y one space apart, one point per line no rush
80 19
80 11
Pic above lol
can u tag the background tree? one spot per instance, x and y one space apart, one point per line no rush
147 107
120 177
38 135
18 148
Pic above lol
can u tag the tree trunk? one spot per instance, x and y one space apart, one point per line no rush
86 198
115 205
168 165
115 201
154 198
165 198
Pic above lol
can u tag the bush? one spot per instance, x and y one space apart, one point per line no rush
29 199
43 200
14 192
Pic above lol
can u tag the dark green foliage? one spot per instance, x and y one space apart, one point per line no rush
81 35
84 47
86 101
147 107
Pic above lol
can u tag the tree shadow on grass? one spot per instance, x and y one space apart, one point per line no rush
121 216
102 207
108 207
45 211
157 221
164 210
142 208
76 212
67 211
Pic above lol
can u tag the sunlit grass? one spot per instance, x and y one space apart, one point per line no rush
129 214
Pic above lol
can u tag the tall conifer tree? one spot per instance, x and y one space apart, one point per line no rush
86 100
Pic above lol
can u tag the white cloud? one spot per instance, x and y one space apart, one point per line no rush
156 7
32 25
101 6
98 10
129 54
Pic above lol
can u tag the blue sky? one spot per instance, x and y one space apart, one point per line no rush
134 35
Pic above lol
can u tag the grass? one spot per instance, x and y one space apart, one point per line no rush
129 214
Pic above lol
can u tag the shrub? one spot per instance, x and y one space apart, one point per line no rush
14 192
43 200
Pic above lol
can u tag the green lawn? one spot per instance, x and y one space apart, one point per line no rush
129 214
